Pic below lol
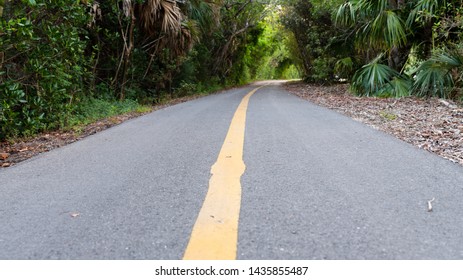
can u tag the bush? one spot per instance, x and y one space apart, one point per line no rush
376 79
93 109
439 75
44 64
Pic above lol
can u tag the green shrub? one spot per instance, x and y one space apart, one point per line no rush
439 75
377 79
45 66
92 109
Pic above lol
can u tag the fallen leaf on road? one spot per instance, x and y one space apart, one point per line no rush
430 204
4 155
74 215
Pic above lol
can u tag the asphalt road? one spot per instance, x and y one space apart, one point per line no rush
317 185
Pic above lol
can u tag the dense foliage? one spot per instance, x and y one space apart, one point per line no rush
384 47
61 58
43 63
411 46
316 41
58 56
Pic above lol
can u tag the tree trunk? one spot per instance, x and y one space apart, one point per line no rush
128 37
226 50
305 57
127 55
2 6
396 4
394 59
398 57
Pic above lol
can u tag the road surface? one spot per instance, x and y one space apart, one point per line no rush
308 183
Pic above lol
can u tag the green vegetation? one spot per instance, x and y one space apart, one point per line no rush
314 44
416 46
43 64
63 61
387 115
94 109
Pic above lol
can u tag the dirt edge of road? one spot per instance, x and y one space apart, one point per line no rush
434 125
15 151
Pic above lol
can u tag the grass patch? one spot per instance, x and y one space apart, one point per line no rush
92 109
388 115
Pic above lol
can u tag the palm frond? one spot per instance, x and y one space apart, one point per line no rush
399 86
372 78
432 80
372 7
387 29
203 13
160 17
346 14
127 8
172 17
449 59
149 14
166 28
344 67
434 76
424 10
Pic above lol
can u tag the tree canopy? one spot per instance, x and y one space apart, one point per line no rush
58 56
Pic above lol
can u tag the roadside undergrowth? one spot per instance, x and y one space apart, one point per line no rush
91 117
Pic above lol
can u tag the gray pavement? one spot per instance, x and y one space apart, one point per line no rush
317 185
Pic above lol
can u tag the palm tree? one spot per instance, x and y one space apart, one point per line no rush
163 26
379 31
376 78
441 75
378 26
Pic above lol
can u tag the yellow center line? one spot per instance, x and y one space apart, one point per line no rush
215 233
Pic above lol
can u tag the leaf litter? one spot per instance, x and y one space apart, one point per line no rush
434 125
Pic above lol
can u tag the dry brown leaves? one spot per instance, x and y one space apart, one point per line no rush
23 149
434 125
